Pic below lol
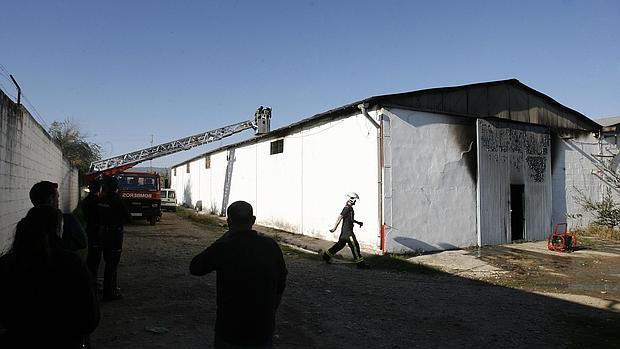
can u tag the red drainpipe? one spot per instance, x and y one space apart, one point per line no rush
383 238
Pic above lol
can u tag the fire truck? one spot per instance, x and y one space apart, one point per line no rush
140 191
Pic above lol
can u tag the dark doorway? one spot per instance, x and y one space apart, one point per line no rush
516 211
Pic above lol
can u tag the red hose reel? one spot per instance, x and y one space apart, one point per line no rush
561 242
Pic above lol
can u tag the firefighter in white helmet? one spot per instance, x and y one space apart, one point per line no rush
347 237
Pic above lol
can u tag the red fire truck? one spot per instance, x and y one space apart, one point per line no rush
140 192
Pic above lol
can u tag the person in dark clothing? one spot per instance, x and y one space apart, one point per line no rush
347 217
90 208
112 216
46 297
251 277
45 193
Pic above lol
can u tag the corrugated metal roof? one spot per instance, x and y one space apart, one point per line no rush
610 121
506 99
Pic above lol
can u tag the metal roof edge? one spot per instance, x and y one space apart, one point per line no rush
377 100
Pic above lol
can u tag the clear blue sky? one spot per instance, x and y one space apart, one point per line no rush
126 70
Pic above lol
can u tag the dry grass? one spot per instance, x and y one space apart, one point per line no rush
599 231
205 219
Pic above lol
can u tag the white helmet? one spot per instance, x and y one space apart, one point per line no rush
352 197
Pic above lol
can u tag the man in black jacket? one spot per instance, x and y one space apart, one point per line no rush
47 298
251 276
45 193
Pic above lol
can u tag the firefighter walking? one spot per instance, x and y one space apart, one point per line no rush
347 237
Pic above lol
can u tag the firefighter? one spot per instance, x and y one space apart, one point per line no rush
90 209
347 237
112 217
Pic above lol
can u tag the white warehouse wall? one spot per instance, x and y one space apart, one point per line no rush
574 169
301 190
430 181
27 156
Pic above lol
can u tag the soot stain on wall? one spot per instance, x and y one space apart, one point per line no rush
517 142
465 136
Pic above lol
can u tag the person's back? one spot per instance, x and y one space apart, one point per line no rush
90 210
73 236
251 276
53 306
47 296
112 212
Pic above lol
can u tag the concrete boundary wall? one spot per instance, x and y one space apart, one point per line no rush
28 155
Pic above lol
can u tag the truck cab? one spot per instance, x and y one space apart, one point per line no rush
140 192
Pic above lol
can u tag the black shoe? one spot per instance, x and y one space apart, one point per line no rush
326 258
112 296
362 265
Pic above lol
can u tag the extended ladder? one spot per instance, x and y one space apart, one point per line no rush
120 163
227 181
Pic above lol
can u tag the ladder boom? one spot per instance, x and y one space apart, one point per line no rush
135 157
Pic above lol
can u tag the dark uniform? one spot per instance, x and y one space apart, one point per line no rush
347 237
112 217
90 208
73 237
46 294
55 307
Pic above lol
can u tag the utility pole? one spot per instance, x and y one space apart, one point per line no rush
19 90
151 161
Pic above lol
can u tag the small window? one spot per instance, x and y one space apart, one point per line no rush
187 168
175 171
277 146
163 194
208 161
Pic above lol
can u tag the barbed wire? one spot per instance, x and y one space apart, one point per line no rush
35 112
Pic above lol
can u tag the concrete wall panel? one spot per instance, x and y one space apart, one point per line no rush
430 186
579 168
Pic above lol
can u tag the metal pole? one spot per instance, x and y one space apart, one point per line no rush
151 161
19 90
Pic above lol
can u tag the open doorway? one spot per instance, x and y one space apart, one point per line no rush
517 218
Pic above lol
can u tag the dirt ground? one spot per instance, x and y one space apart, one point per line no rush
339 306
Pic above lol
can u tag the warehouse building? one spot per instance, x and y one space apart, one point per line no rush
442 168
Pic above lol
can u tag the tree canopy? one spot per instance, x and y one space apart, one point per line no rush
74 144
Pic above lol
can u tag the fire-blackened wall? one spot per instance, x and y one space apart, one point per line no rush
511 158
28 155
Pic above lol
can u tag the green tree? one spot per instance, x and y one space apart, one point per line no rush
606 212
74 144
